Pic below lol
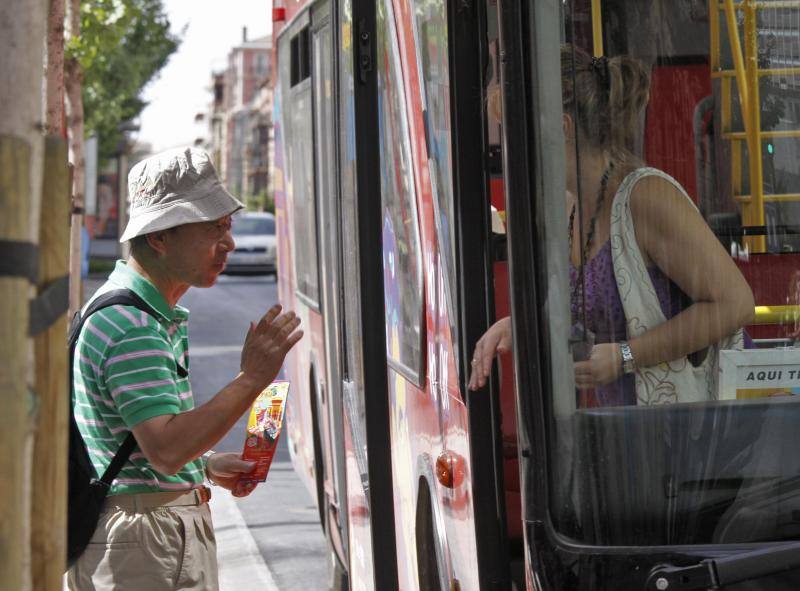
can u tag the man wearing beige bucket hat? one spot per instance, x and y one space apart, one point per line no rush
130 376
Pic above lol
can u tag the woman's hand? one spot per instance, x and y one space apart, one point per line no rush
603 367
225 469
494 341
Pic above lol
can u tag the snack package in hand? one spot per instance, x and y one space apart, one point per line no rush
263 430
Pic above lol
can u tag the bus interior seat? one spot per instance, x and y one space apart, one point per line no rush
688 473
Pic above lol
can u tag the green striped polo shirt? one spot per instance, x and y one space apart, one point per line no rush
126 371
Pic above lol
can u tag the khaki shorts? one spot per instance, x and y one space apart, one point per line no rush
150 542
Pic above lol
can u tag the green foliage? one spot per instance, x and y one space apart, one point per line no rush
122 46
262 201
101 266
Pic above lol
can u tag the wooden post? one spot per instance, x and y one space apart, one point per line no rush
48 519
22 35
15 201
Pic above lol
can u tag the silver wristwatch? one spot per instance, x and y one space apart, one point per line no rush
628 362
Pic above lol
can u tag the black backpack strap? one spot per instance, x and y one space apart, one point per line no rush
121 457
124 297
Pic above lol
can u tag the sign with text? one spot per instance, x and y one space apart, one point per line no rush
758 373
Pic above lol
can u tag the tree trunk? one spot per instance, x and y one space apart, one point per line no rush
22 30
55 69
74 82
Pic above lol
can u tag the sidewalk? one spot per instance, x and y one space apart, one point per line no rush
241 566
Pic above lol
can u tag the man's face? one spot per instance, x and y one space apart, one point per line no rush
196 253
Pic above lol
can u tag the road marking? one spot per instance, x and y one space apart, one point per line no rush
241 565
208 350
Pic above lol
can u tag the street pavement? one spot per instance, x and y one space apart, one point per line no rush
271 540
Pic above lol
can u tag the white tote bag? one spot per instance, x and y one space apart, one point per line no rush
668 382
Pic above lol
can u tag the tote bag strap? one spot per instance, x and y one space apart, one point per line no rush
639 298
678 380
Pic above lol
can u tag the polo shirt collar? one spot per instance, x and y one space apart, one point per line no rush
124 276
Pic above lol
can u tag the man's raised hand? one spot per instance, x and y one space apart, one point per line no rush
267 344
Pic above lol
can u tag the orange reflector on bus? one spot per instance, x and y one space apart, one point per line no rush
450 469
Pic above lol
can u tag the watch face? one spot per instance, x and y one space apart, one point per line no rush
628 365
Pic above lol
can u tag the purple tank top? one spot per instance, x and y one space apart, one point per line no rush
606 318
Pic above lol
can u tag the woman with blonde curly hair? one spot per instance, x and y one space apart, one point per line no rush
700 292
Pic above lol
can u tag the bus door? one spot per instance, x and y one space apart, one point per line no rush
452 60
324 117
677 469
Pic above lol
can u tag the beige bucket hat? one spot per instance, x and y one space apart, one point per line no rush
173 188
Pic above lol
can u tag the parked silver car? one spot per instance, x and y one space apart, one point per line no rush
254 234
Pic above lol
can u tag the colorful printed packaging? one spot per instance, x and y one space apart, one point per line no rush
263 430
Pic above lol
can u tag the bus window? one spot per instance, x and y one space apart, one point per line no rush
301 166
430 33
402 261
676 423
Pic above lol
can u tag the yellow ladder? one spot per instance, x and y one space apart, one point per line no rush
747 73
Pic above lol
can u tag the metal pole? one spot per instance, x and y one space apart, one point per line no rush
753 127
122 203
597 28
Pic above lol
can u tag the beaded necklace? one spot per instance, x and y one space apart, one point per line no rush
601 196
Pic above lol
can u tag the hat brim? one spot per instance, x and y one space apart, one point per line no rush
216 204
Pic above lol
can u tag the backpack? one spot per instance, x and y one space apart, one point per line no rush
86 492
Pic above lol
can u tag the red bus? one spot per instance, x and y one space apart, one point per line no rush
393 189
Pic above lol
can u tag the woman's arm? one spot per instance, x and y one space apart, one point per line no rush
673 235
496 340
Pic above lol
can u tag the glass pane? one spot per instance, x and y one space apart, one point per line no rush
323 80
402 265
430 33
678 425
300 162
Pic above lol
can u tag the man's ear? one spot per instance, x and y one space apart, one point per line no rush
157 241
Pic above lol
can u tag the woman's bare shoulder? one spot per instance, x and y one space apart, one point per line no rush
656 198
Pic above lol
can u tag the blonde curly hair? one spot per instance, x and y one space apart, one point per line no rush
605 96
